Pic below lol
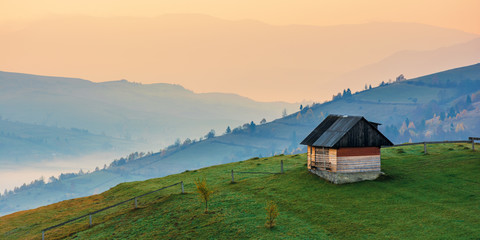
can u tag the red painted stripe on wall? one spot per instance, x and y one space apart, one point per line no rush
364 151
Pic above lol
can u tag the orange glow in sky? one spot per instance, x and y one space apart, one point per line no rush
458 14
187 42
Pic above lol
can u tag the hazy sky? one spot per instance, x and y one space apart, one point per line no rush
106 40
459 14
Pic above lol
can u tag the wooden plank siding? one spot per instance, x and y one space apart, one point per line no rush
322 158
310 157
344 159
358 163
358 159
362 135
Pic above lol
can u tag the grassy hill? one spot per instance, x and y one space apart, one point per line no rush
432 196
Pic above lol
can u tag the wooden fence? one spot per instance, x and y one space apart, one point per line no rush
105 208
281 172
470 140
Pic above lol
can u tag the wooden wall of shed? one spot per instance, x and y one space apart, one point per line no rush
322 158
344 159
366 163
309 156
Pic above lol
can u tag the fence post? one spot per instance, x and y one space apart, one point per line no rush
90 222
136 202
424 148
473 145
43 235
182 188
233 180
281 166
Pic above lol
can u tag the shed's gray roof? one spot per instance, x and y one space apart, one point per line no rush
319 130
336 131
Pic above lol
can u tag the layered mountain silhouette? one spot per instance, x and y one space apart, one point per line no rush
116 114
413 64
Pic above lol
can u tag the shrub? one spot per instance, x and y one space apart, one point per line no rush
272 214
203 191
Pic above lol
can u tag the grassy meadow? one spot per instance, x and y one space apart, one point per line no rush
433 196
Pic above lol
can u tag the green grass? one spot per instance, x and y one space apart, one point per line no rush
434 196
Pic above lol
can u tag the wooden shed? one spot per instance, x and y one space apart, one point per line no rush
345 149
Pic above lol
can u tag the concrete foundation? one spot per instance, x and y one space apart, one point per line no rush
341 178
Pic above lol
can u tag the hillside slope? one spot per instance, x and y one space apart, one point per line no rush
28 151
414 64
432 107
22 143
438 200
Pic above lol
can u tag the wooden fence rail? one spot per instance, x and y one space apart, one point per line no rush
470 140
105 208
281 172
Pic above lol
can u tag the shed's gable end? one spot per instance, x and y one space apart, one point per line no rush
362 134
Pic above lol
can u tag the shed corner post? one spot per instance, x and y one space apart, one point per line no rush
424 147
233 179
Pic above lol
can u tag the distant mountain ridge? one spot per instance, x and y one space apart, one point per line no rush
207 54
440 106
153 113
414 64
22 143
